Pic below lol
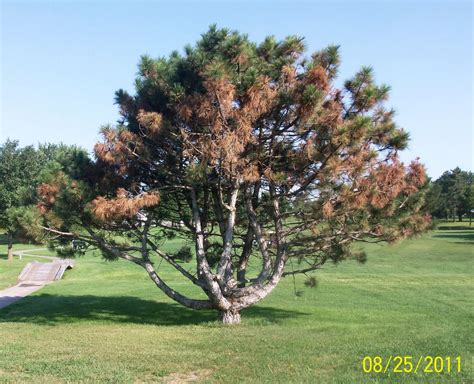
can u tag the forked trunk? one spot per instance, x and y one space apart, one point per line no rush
229 317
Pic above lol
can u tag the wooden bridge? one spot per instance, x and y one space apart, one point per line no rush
34 276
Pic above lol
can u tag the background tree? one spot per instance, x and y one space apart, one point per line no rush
18 170
471 203
21 172
257 154
450 195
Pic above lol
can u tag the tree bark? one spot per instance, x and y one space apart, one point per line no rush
172 294
10 247
262 243
213 290
244 257
229 317
224 269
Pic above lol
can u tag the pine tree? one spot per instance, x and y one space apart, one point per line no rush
257 155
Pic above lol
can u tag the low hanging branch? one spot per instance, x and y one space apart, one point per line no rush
266 158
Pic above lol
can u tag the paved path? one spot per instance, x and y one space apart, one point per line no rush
27 252
10 295
34 276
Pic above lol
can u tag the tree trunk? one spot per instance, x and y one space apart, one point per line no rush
10 247
229 317
244 258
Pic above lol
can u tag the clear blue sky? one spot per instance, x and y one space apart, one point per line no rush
62 61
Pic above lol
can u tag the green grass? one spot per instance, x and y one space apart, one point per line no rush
106 322
9 271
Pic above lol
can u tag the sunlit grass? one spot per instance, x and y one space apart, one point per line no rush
107 322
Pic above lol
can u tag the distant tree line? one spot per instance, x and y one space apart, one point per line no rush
451 196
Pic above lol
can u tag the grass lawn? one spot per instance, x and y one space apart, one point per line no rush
106 322
9 271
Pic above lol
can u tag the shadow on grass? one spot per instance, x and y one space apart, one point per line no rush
455 228
4 256
3 239
54 309
462 236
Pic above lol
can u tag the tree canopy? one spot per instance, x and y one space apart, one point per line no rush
451 194
22 170
250 151
18 168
